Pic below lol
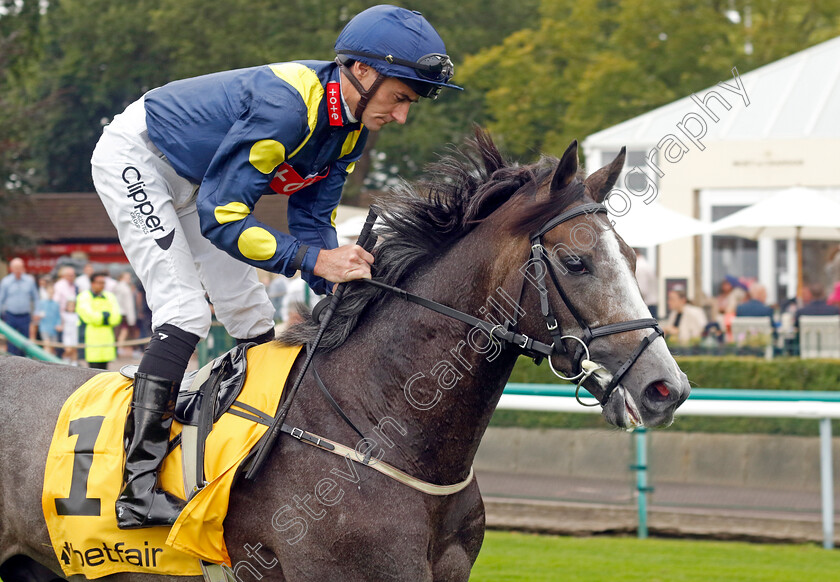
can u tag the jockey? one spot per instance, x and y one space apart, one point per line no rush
181 169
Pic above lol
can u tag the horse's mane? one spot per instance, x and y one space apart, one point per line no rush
418 223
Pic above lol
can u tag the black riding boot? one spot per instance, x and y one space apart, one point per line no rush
141 503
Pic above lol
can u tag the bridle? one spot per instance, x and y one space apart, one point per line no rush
581 351
507 333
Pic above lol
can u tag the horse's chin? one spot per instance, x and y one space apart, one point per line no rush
625 407
622 410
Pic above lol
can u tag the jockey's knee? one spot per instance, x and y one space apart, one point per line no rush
192 316
247 319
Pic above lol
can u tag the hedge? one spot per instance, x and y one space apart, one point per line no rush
706 372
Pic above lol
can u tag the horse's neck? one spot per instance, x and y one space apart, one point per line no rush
425 375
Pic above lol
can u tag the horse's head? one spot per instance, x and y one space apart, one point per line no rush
580 291
540 234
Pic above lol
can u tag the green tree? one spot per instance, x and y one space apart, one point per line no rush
774 29
588 64
467 27
657 53
99 56
187 31
253 32
19 50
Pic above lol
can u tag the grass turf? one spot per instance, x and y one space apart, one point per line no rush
515 557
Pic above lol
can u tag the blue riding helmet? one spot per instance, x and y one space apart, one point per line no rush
398 43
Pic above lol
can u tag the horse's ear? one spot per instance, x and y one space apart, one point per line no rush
566 169
601 182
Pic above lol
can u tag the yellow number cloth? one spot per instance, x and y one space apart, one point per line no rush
85 464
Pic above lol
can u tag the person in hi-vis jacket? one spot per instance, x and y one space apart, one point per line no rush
100 312
181 170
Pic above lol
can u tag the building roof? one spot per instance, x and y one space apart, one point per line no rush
795 97
70 216
80 216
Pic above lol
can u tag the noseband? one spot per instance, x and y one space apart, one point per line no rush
506 333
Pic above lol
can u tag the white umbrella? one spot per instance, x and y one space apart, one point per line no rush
799 213
790 213
646 225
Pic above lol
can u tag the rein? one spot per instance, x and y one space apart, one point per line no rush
274 430
506 334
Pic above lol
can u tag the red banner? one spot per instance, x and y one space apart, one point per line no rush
44 258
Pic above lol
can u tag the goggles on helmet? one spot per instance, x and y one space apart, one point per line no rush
434 67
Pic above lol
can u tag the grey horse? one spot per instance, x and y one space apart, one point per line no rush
421 386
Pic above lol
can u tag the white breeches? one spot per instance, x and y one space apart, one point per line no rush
153 209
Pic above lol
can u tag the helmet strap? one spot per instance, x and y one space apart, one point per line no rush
365 95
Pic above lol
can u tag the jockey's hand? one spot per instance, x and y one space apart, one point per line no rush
346 263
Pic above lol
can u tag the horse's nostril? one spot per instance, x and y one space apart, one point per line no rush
657 392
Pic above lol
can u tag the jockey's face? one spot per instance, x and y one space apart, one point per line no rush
391 101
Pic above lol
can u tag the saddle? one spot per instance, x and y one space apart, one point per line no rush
228 371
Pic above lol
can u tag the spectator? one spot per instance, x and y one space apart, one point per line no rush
43 284
83 280
100 312
276 292
756 305
834 299
732 293
832 268
686 322
64 289
818 304
83 284
48 317
18 297
64 293
70 332
124 292
298 296
144 313
722 299
648 284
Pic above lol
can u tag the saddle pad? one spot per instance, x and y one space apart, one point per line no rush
83 477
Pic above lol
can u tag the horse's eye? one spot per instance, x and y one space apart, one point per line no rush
575 266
